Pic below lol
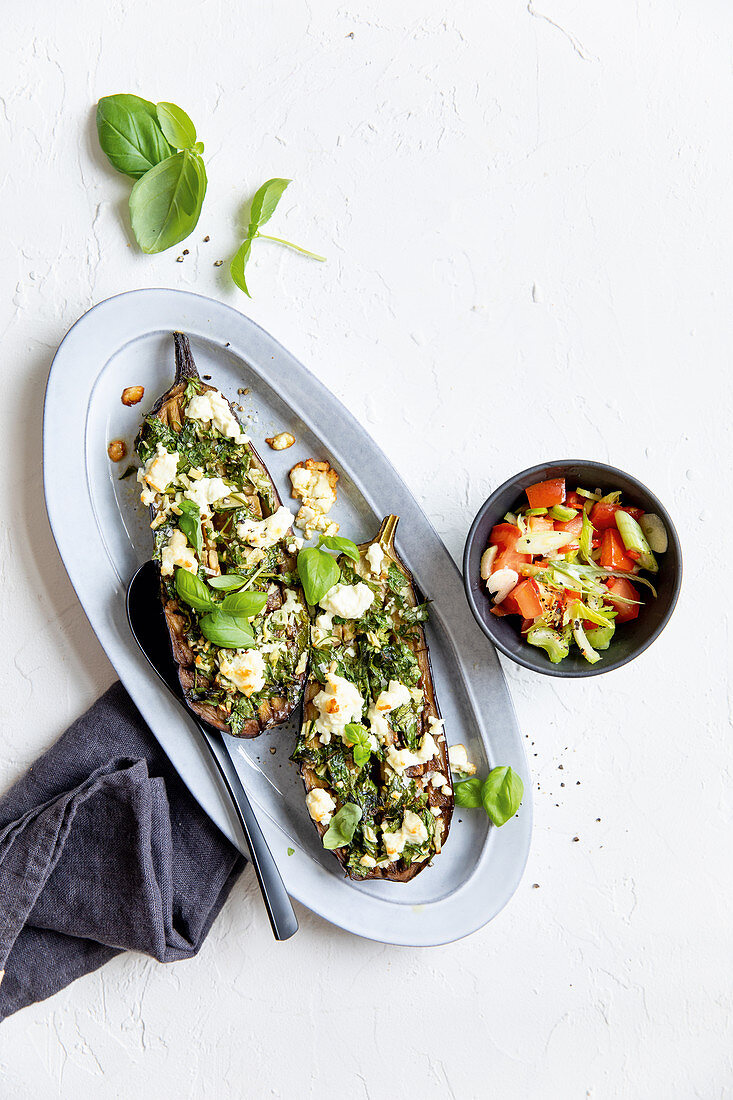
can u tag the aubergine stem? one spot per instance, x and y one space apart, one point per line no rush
185 366
386 535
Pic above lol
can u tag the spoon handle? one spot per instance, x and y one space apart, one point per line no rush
279 908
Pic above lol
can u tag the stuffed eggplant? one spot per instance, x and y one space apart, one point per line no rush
235 611
371 749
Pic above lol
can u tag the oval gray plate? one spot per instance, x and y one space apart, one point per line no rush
102 535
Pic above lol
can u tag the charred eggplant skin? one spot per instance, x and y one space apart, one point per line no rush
390 655
207 692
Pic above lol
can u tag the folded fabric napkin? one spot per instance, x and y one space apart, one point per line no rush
102 850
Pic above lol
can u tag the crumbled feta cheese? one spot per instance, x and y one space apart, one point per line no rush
322 628
314 484
206 491
338 704
412 831
320 805
246 670
436 728
160 470
177 552
438 780
395 696
368 861
375 558
348 601
310 521
436 811
147 497
399 759
459 761
263 533
212 408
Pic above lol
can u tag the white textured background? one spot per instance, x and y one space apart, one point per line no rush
528 218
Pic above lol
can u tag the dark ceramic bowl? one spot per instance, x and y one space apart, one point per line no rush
631 638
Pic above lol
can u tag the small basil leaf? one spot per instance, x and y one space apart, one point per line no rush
192 590
357 737
318 573
244 603
468 794
501 794
130 135
176 126
227 631
198 147
190 524
341 545
227 582
342 827
165 203
238 264
264 204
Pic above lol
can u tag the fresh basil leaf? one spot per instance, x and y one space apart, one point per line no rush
190 524
165 203
318 572
264 204
340 545
357 737
342 827
244 603
176 126
501 794
291 851
130 135
417 614
198 147
192 590
238 264
227 631
227 582
468 793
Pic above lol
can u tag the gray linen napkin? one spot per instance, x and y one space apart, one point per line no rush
102 850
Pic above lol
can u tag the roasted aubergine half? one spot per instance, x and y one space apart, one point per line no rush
371 749
235 611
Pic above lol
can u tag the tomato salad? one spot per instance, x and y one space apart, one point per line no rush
570 565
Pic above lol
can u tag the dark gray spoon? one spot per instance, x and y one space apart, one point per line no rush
145 616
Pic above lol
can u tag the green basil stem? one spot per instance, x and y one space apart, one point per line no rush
289 244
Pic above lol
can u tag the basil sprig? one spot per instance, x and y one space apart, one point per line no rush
318 572
340 545
227 582
192 590
190 524
264 205
357 738
226 630
157 146
244 603
343 826
500 794
130 134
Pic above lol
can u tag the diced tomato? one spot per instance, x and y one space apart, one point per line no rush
546 494
526 597
504 534
510 559
573 526
595 541
500 611
572 500
527 624
510 605
540 523
603 514
619 586
613 551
